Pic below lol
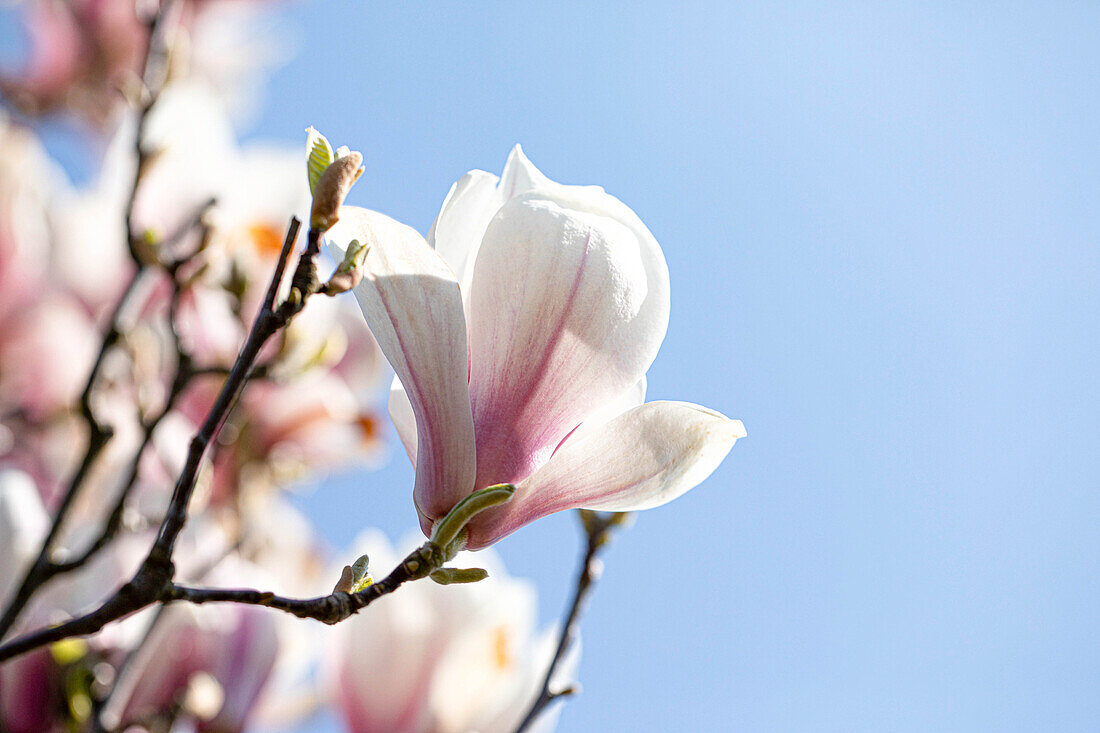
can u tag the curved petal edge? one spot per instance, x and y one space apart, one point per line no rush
645 457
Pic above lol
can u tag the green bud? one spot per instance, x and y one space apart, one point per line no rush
350 272
448 529
319 156
360 575
447 576
354 577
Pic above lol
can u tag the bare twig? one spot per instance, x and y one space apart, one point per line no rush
153 581
598 530
46 567
99 434
149 588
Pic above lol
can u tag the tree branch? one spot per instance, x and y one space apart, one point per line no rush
153 581
148 588
598 531
99 435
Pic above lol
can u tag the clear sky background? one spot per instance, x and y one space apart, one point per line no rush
882 223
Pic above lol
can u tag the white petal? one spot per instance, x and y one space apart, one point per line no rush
404 419
458 229
646 457
568 307
520 176
23 525
632 397
413 306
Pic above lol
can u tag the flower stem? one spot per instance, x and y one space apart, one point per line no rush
598 530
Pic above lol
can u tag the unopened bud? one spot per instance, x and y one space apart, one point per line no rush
344 584
447 576
332 188
355 577
360 574
447 531
350 272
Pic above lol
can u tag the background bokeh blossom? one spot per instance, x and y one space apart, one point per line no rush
880 223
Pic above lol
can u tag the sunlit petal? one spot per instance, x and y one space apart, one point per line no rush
412 304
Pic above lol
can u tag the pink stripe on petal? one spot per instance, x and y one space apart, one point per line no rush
568 306
413 306
647 456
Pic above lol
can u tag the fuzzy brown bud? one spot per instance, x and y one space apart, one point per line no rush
332 188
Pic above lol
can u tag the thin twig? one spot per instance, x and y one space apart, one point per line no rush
330 609
99 434
147 589
185 372
598 530
153 581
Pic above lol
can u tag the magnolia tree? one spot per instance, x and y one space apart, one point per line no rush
173 358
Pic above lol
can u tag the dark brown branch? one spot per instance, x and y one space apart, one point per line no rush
330 609
153 581
149 587
47 568
99 434
268 321
598 530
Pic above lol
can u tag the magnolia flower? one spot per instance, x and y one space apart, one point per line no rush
520 334
81 53
213 662
441 660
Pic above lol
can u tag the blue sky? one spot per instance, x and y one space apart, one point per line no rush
882 223
882 226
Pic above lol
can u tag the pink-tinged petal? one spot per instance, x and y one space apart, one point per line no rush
460 225
29 694
404 419
242 658
646 457
413 306
568 307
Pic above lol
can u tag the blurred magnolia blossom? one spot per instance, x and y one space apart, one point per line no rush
315 408
435 659
520 333
86 56
200 668
211 663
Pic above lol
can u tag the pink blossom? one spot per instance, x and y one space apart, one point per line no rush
521 343
436 659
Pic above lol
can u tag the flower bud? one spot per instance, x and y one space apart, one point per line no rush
332 188
447 576
349 273
355 577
